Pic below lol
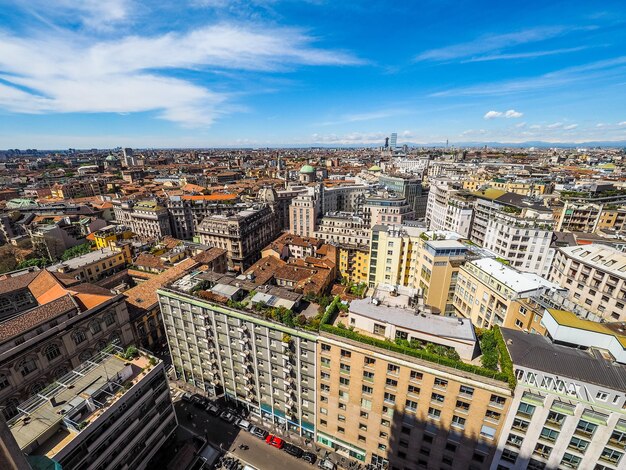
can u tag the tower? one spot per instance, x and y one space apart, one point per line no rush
394 140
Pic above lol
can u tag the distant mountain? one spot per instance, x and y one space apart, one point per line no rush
538 143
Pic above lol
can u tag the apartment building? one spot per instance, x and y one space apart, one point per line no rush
386 209
264 365
393 410
523 187
410 188
343 198
595 278
148 219
243 234
587 211
50 323
437 263
109 412
78 188
393 254
490 293
567 412
343 228
353 262
448 208
110 234
523 237
97 264
188 211
303 212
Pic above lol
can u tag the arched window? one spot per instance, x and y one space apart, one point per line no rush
79 336
100 345
109 319
95 327
115 339
60 372
27 366
10 408
4 381
52 352
85 355
141 330
37 387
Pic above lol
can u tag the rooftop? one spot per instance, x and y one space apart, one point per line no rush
50 420
601 257
538 352
83 260
517 281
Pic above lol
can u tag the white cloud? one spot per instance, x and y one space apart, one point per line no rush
495 43
570 127
623 123
525 55
509 114
92 14
67 73
555 125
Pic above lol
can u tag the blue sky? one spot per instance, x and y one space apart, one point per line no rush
200 73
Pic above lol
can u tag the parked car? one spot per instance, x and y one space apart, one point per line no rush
293 450
211 408
259 432
187 397
275 441
309 457
326 464
243 424
227 416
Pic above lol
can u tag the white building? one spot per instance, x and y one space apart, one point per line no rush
447 209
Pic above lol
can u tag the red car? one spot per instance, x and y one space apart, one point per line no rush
275 441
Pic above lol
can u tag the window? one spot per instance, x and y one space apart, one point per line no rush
109 319
492 415
391 383
79 336
4 381
367 390
324 411
416 375
525 409
458 422
341 430
497 400
610 455
585 428
325 362
487 431
344 381
346 354
390 398
467 391
434 413
368 361
436 397
450 447
393 369
461 405
28 366
341 418
383 435
570 461
578 444
364 414
514 440
543 450
602 395
361 438
52 352
344 395
509 456
325 376
344 368
520 424
379 329
440 383
326 347
414 390
617 438
549 434
323 422
411 405
366 404
385 422
555 418
368 376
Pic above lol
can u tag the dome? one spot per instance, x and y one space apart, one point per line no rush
268 194
375 168
111 158
307 169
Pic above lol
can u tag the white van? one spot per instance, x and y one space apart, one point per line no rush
243 424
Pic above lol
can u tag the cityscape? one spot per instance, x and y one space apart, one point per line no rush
273 234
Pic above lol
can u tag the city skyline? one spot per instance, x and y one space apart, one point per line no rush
270 73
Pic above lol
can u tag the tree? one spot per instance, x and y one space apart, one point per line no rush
75 251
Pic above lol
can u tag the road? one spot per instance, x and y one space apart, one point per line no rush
216 431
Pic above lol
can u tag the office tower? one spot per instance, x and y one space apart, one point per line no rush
113 411
393 143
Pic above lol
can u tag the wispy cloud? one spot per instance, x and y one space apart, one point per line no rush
525 55
510 114
72 73
496 43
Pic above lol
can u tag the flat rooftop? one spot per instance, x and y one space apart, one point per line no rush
540 353
516 280
83 260
411 319
50 420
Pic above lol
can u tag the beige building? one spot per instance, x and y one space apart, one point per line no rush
303 212
595 278
148 219
343 228
490 293
97 264
391 409
393 254
243 235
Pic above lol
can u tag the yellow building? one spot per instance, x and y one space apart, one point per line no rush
525 188
354 262
490 293
112 233
393 252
